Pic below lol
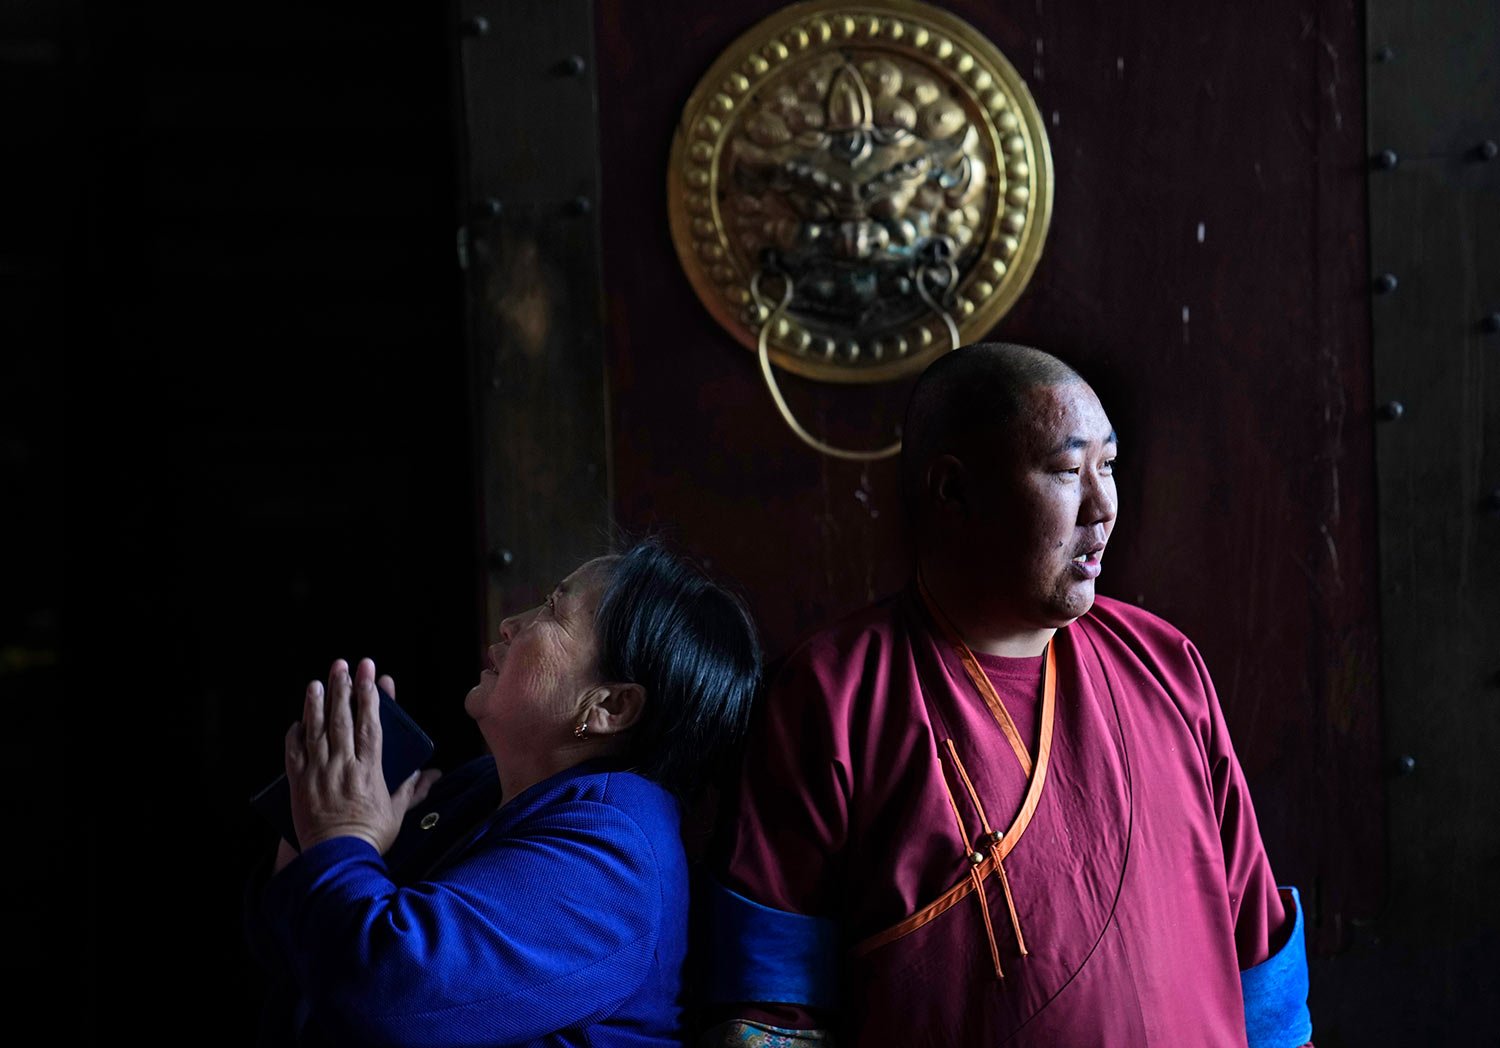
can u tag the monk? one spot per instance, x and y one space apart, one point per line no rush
995 807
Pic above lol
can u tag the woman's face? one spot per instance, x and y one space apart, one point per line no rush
546 660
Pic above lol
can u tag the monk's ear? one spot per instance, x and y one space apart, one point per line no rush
947 489
613 708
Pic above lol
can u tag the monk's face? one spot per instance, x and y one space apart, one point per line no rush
1043 506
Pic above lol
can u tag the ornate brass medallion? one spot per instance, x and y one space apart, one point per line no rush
854 188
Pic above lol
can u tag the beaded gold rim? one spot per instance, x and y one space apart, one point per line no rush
1011 227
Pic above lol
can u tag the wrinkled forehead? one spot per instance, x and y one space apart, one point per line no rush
1049 418
587 582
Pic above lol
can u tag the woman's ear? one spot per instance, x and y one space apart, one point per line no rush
613 708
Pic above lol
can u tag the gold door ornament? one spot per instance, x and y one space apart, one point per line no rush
855 189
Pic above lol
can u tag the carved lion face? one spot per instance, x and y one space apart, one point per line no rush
849 178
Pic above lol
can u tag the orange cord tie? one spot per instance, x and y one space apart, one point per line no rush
994 840
973 794
984 910
976 859
1015 920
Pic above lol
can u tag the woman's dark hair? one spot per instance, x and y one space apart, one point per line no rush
692 645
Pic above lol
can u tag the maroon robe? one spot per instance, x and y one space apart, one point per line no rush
1140 884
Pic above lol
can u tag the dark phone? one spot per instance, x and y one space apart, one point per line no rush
404 748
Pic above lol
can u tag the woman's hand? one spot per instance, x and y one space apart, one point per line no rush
333 764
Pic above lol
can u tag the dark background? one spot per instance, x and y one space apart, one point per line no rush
233 287
256 416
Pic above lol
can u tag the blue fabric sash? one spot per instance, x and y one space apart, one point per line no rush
764 954
1276 1014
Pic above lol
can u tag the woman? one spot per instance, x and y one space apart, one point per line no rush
539 894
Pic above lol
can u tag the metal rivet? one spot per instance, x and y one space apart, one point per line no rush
995 836
1486 150
489 207
1385 54
429 820
1490 324
1385 160
580 205
1406 764
1385 283
976 858
573 65
1391 410
476 26
501 558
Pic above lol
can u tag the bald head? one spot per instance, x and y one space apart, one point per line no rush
1008 471
973 391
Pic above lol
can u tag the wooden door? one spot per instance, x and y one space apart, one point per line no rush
1205 268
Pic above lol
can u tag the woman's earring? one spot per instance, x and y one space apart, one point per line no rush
580 729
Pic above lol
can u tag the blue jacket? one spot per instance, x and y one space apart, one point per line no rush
560 919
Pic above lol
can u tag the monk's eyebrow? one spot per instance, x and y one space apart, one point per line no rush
1076 443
